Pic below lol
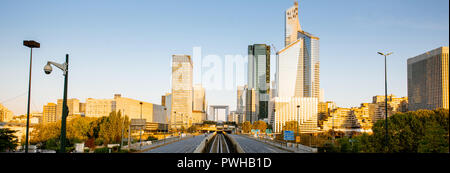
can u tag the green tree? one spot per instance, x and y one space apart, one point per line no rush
411 132
8 141
110 128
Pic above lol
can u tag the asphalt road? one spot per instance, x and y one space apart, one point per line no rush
253 146
183 146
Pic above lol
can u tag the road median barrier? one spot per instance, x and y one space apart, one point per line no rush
235 144
201 147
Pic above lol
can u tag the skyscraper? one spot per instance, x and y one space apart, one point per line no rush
199 105
428 80
297 77
182 78
259 77
298 64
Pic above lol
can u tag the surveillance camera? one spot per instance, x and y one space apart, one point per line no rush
47 69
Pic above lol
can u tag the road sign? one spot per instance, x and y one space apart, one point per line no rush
297 139
288 135
137 124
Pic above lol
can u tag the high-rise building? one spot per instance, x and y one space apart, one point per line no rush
5 114
259 77
240 103
49 113
251 106
428 80
199 105
298 63
182 78
297 77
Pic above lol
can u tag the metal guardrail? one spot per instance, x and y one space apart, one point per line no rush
293 147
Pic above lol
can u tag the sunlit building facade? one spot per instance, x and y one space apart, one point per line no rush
182 94
428 80
259 78
298 65
305 115
5 114
99 107
49 113
73 106
297 79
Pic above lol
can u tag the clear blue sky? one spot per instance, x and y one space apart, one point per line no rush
125 46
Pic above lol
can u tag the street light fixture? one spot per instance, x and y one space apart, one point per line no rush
65 68
31 44
385 97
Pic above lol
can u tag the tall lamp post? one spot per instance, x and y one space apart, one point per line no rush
65 68
140 131
31 44
298 120
385 97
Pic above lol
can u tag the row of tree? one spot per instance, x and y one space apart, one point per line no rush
260 125
92 131
422 131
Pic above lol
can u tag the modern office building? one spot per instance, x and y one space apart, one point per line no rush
166 101
428 80
49 113
199 105
182 94
251 106
233 116
259 77
298 64
5 114
297 77
305 115
240 103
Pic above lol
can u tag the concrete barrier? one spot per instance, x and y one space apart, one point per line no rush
235 144
202 144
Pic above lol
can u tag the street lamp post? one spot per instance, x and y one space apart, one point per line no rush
298 120
385 97
140 131
65 68
31 44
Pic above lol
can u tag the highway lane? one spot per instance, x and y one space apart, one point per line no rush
253 146
183 146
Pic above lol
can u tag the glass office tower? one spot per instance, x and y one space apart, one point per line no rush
259 79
